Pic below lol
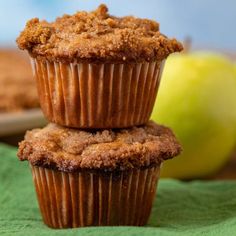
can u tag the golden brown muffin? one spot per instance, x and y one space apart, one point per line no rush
104 177
95 70
17 87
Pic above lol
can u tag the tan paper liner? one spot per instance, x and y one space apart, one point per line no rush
89 198
84 95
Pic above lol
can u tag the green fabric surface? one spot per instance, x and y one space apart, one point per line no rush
194 208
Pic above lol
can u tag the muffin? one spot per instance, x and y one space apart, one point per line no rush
97 178
94 70
17 86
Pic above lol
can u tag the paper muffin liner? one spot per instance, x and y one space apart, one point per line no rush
88 95
93 198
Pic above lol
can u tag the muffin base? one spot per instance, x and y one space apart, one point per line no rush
95 198
98 96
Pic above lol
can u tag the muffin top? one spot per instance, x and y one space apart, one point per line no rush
17 87
69 149
96 36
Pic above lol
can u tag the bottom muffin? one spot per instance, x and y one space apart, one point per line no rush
87 198
96 178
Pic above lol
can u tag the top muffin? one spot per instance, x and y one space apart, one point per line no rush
96 36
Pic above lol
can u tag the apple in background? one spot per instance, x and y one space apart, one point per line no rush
197 99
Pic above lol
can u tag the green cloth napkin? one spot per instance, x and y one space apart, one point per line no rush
194 208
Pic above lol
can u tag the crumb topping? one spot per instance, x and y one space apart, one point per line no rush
69 149
96 35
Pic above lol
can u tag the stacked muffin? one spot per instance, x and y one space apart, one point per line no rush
98 161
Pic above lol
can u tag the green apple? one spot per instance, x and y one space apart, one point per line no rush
197 99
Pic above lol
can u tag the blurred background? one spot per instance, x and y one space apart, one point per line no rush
207 22
209 25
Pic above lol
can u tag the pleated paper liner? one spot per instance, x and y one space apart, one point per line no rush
95 198
84 95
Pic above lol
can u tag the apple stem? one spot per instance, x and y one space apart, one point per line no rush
187 44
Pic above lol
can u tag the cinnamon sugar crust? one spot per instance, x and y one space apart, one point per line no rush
96 36
69 149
